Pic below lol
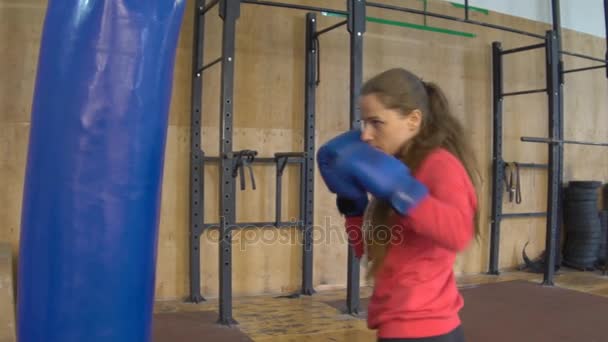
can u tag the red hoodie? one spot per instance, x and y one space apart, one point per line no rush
415 293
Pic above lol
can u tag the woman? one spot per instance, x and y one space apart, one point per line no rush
413 157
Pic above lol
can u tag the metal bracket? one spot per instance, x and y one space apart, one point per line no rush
242 159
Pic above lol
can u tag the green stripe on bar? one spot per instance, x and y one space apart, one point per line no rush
420 27
333 14
409 25
471 8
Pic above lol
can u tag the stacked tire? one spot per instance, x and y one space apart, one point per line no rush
582 221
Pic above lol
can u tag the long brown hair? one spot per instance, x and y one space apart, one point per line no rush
402 90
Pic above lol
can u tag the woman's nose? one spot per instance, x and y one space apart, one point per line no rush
366 134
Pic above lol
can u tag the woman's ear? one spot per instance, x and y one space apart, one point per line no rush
414 119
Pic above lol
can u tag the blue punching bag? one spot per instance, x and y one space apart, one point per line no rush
94 172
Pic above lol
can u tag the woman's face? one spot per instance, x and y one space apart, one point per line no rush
387 129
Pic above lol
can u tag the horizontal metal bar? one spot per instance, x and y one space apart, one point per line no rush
583 69
538 140
208 7
256 225
580 55
325 30
423 27
523 92
513 215
290 154
264 160
198 73
446 17
292 6
523 48
574 142
550 141
533 165
530 165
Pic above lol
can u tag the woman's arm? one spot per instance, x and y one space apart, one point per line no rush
446 215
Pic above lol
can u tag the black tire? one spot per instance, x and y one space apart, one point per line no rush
585 184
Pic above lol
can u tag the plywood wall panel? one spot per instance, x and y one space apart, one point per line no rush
268 117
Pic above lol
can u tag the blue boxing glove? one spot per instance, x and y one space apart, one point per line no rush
351 198
382 175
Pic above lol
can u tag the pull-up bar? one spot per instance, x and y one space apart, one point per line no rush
325 30
447 17
580 55
292 6
523 48
558 141
585 68
524 92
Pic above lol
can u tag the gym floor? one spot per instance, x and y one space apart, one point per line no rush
310 318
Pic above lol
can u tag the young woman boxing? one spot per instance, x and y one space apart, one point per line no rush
413 158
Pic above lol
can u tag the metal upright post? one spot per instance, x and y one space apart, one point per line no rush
356 28
497 160
229 12
196 154
557 28
553 186
606 32
309 149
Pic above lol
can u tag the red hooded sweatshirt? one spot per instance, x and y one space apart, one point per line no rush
415 292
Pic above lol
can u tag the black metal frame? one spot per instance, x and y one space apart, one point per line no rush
196 155
555 95
231 161
356 30
498 162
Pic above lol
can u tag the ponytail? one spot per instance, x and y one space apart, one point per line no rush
438 102
452 136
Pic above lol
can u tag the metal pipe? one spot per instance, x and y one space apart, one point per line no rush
580 55
293 6
556 19
606 31
466 10
532 165
554 170
557 28
196 181
557 141
497 162
198 72
524 48
356 29
583 69
306 196
262 160
514 215
523 92
446 17
325 30
206 8
290 155
229 13
278 192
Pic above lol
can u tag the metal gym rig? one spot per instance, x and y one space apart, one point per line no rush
233 163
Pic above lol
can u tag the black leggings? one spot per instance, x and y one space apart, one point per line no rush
456 335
